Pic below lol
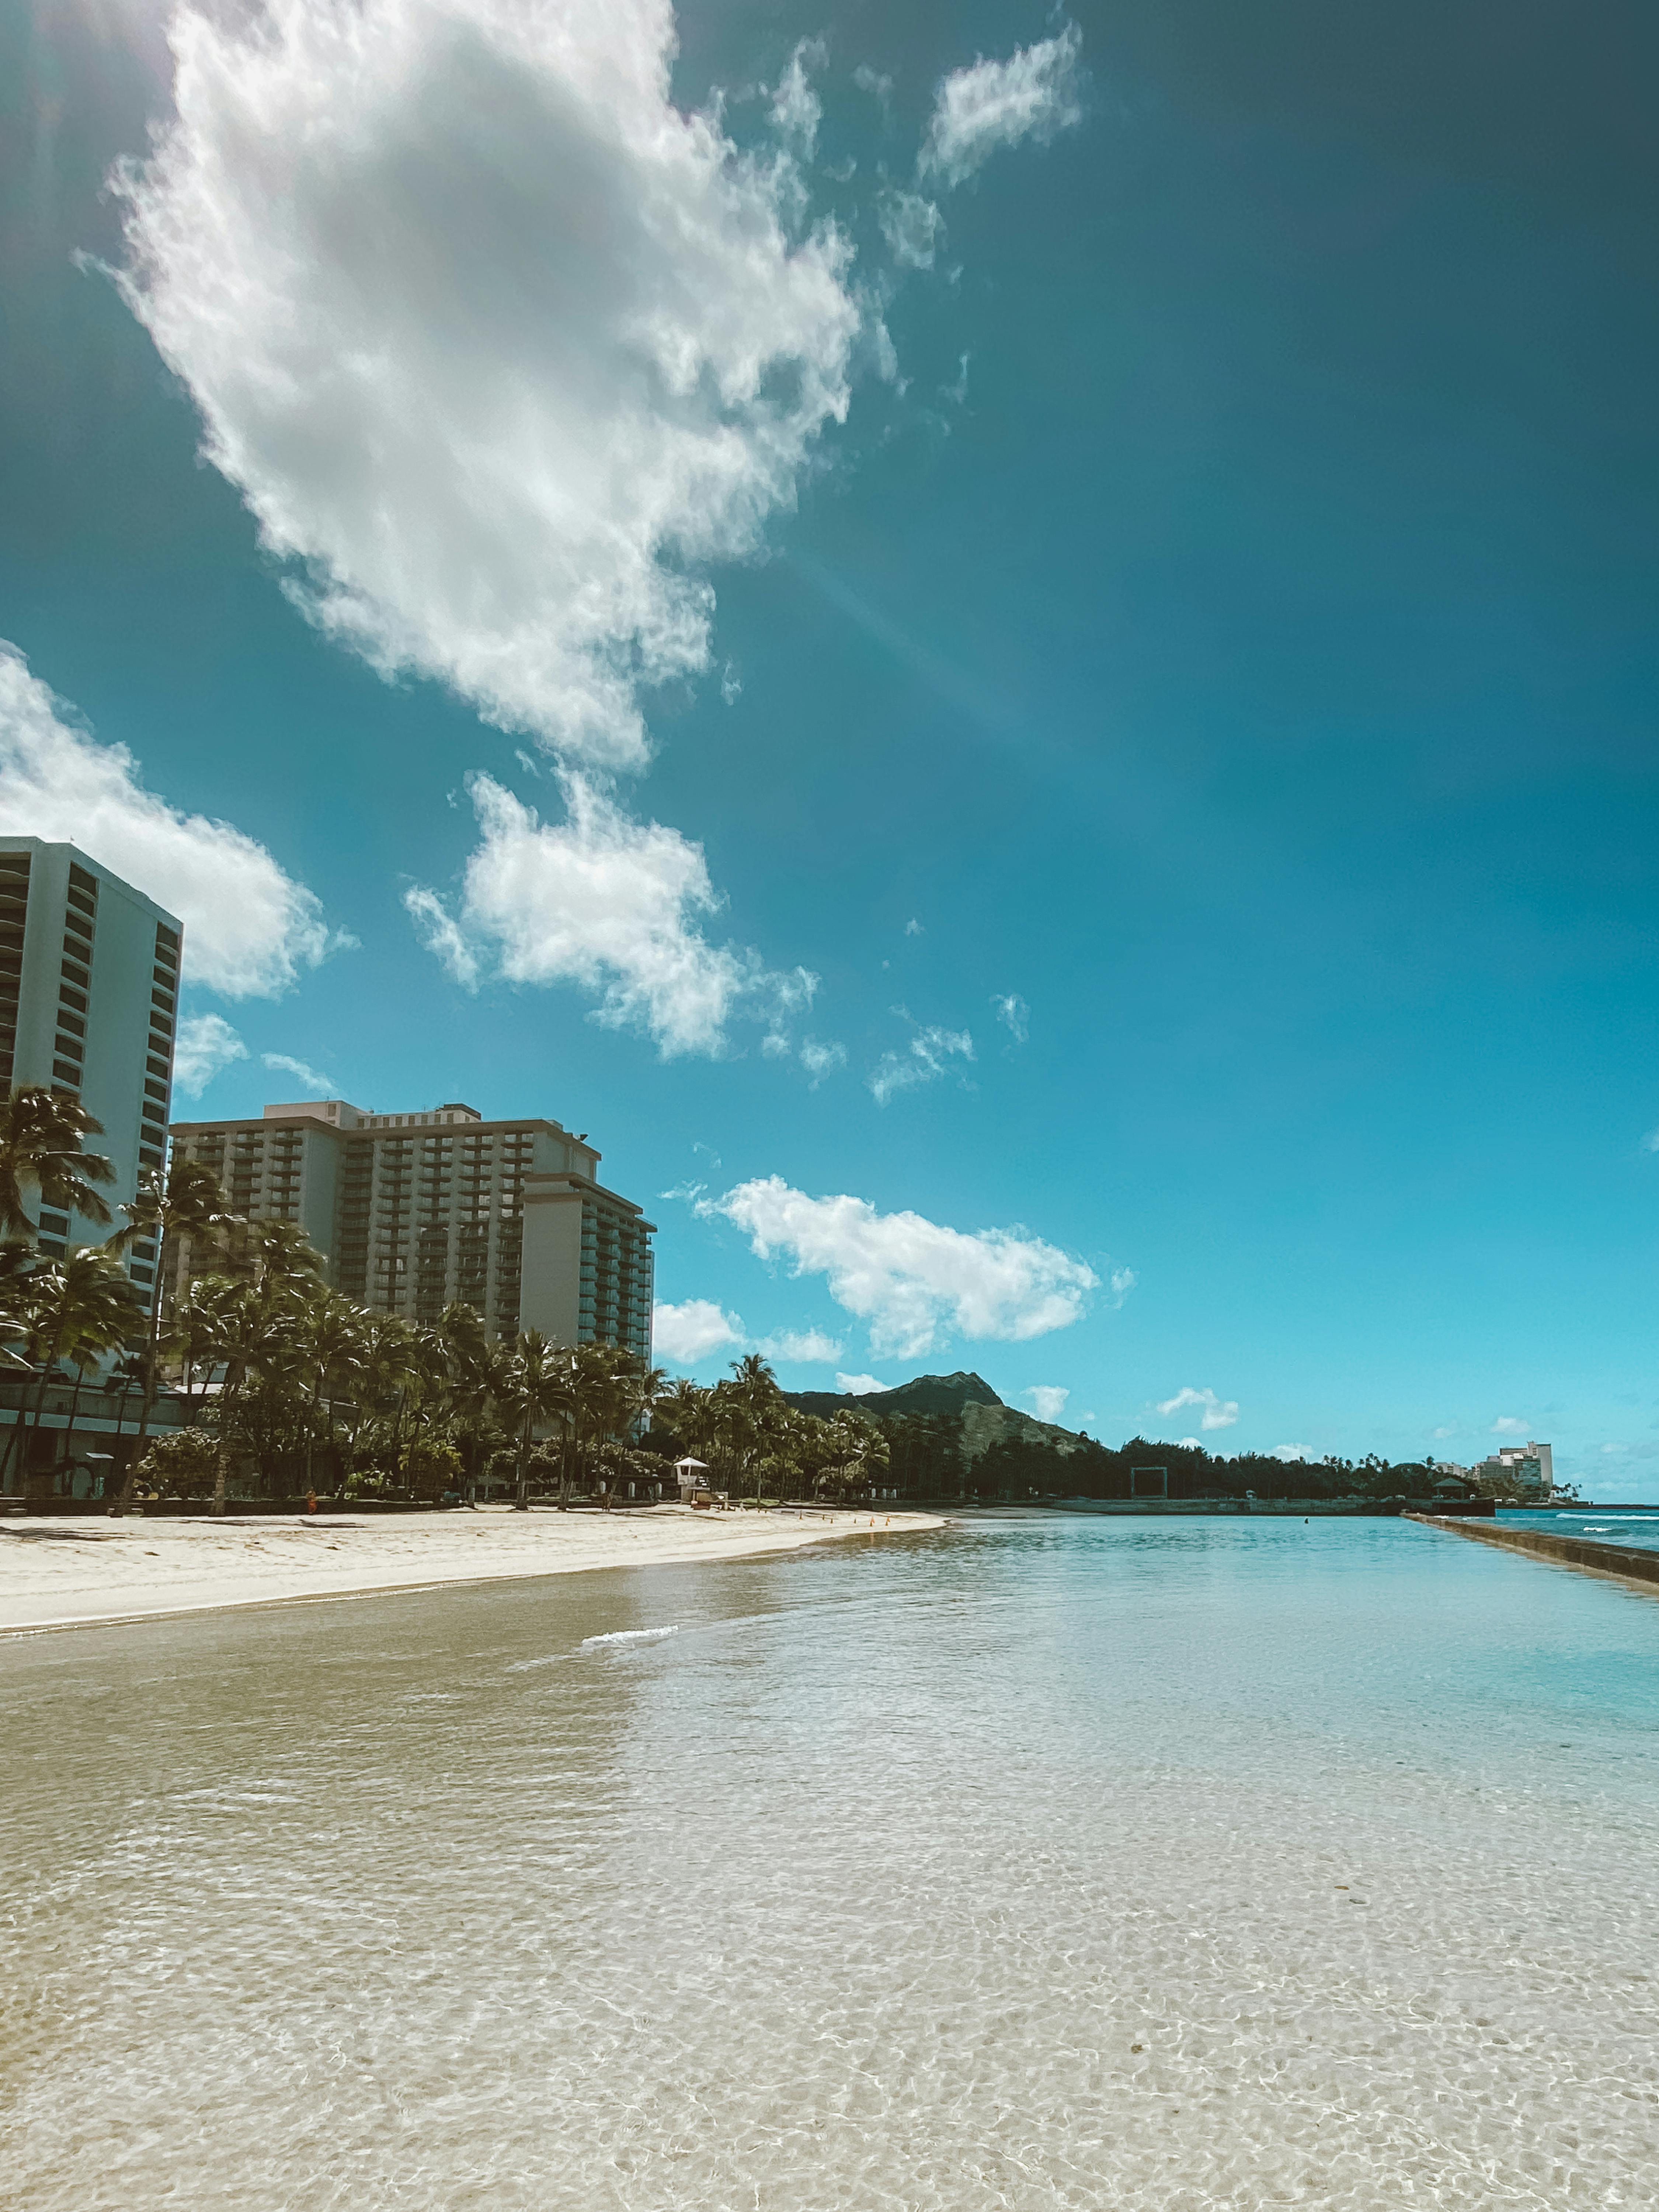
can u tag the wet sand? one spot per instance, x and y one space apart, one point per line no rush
71 1571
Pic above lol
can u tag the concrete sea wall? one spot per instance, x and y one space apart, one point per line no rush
1621 1559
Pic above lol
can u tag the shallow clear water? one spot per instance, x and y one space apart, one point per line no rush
1038 1863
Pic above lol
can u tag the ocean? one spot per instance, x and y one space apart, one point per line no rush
1036 1862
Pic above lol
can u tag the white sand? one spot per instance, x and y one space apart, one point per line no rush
72 1571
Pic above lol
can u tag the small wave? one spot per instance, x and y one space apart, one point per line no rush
630 1636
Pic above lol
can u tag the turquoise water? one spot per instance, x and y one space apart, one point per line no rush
1041 1862
1640 1528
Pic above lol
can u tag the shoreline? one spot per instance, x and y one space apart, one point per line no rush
73 1571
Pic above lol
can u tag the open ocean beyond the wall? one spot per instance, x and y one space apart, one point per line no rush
1038 1862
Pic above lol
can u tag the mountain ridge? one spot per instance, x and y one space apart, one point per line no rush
986 1419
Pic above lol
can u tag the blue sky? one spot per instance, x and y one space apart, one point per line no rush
1120 542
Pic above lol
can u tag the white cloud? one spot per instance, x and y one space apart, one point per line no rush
1650 1142
1288 1452
821 1059
807 1347
1048 1399
924 1061
1507 1424
1218 1413
302 1072
908 1277
206 1042
688 1332
859 1386
797 111
1123 1281
913 928
872 80
912 227
442 935
501 348
608 903
249 928
1615 1450
1449 1430
978 111
1014 1015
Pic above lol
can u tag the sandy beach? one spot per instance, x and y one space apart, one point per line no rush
74 1571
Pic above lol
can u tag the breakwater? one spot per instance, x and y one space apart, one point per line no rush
1621 1559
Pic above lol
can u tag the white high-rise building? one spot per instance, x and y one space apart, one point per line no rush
1528 1468
413 1212
88 1001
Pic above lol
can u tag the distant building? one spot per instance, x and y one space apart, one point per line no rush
412 1211
1526 1469
88 1001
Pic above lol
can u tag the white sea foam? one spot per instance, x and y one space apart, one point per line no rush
630 1636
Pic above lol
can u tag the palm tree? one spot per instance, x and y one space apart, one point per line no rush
248 1331
187 1201
755 1387
84 1305
535 1386
125 1377
470 1362
329 1340
40 1149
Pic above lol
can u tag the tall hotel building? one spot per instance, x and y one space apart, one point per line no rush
411 1211
89 999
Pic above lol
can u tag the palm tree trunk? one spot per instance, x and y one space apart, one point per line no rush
152 1356
75 1407
47 1370
521 1503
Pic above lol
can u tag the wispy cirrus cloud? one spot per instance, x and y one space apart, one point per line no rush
924 1060
311 1078
1014 1015
981 110
912 227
